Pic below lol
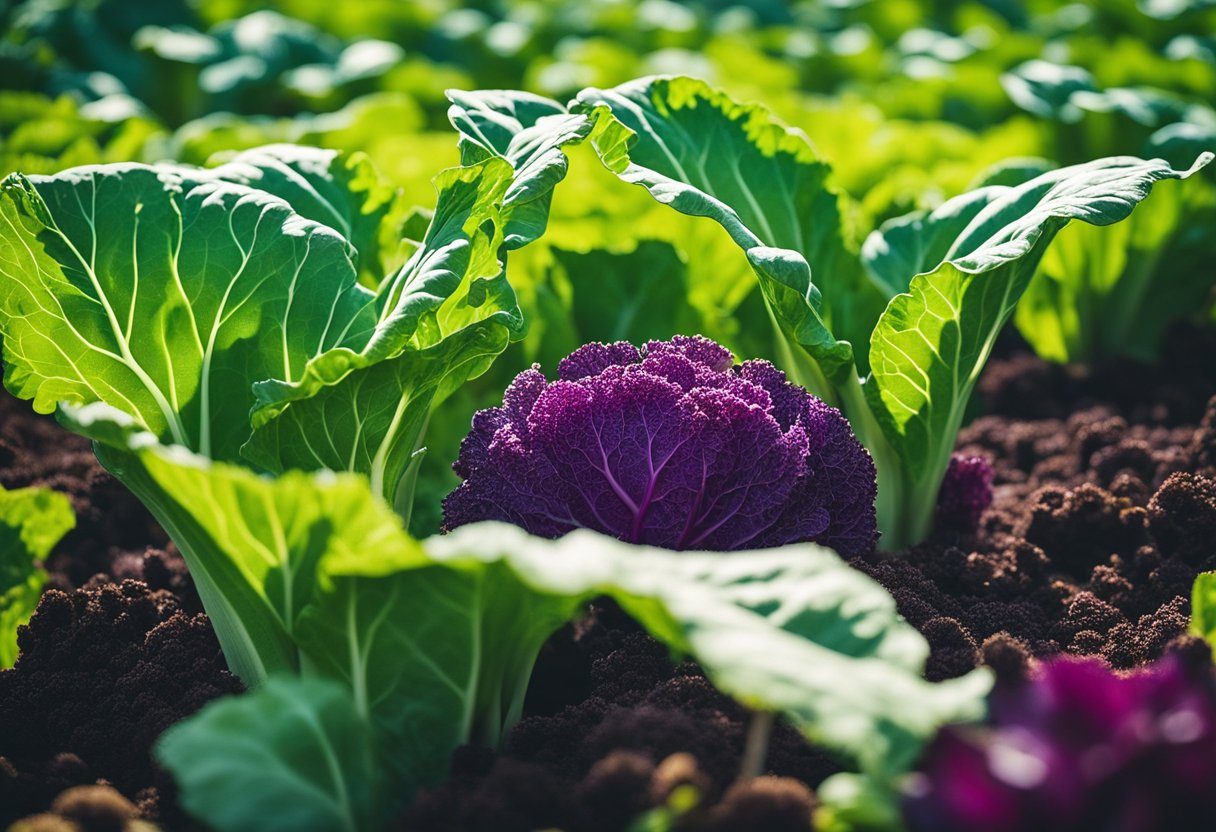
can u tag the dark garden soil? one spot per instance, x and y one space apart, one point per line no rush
1104 512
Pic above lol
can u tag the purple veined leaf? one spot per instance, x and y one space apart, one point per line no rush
670 445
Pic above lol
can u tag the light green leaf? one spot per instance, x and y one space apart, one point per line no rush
32 521
253 545
931 343
340 190
292 756
167 298
1203 607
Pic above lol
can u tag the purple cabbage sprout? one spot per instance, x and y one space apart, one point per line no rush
1080 748
966 492
669 445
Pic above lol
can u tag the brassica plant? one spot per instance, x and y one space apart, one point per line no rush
1078 747
671 446
895 337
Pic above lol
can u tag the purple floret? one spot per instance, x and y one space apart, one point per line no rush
670 445
1079 749
966 492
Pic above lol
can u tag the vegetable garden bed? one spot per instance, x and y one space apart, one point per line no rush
119 651
410 422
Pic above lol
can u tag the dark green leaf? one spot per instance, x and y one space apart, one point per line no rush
292 756
633 296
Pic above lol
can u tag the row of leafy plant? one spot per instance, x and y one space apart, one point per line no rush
257 350
934 94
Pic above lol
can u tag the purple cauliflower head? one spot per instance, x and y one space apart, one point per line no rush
966 492
670 445
1079 749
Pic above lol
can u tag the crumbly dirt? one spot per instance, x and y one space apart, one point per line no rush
115 536
1104 512
103 671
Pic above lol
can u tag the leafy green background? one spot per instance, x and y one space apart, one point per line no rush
909 101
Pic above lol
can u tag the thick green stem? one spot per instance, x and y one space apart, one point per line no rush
799 367
892 494
403 497
755 750
902 519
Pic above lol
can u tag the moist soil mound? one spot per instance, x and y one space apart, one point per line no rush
1104 512
103 671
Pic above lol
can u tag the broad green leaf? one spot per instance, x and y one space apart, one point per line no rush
1203 607
167 298
32 521
253 545
292 756
931 343
340 190
702 153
